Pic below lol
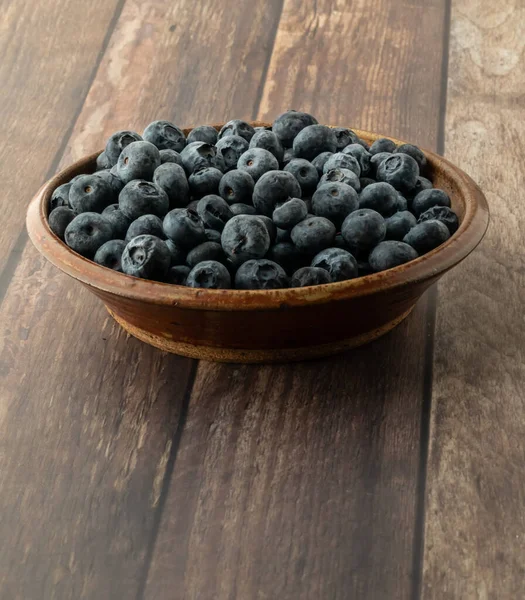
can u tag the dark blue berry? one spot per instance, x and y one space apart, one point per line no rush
141 197
362 230
361 155
236 187
288 214
165 135
287 255
170 156
110 254
422 183
334 201
260 274
342 161
231 148
145 225
320 160
363 267
383 145
428 199
146 256
270 227
60 196
268 141
341 176
339 263
242 209
257 162
245 237
274 187
443 214
313 235
90 193
214 212
287 125
400 171
427 235
205 251
237 127
204 181
413 151
178 275
87 232
59 219
200 154
138 160
282 235
103 162
117 142
344 137
365 182
377 159
177 254
184 227
399 224
381 197
212 235
209 274
203 133
306 276
287 156
118 220
313 140
110 177
402 203
172 179
390 254
339 242
305 173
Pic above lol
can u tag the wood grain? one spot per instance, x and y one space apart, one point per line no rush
475 526
300 481
49 54
89 416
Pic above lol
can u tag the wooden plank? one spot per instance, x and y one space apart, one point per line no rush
475 526
49 55
90 417
300 481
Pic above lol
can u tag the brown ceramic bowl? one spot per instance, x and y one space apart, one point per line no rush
267 325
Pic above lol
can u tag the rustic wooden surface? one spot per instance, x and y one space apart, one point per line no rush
129 473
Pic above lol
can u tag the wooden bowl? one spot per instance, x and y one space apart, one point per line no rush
267 325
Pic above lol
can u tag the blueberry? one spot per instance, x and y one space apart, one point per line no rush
342 161
87 232
428 199
287 156
257 162
306 276
141 197
415 153
344 137
145 225
399 224
401 203
383 145
341 176
146 256
443 214
427 235
165 135
381 197
204 181
287 125
245 237
363 268
287 215
422 183
178 275
90 193
236 186
212 235
365 145
282 235
362 230
339 263
172 179
287 255
305 173
177 254
339 242
399 170
138 160
103 162
170 156
214 212
117 142
313 140
365 182
199 154
268 141
237 127
59 218
377 159
209 274
313 235
274 187
320 160
231 148
361 155
203 133
243 209
260 274
118 220
184 227
205 251
110 177
60 196
334 201
390 254
110 255
270 227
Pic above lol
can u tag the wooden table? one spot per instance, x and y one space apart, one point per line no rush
391 472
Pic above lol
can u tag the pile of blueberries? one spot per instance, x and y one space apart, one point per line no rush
291 205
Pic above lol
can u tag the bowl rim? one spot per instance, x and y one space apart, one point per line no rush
426 267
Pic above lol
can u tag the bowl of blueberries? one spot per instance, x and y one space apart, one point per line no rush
258 242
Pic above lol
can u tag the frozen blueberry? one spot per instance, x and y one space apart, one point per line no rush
381 197
231 148
209 274
313 140
145 225
427 235
282 235
344 137
243 209
257 162
306 276
415 153
443 214
146 256
287 125
103 162
270 227
305 173
110 254
399 224
429 198
402 203
60 196
212 235
342 161
90 193
320 160
361 155
313 235
177 254
362 230
383 145
260 274
205 251
236 186
338 262
365 182
214 212
178 275
400 171
288 214
117 142
200 154
390 254
118 220
59 218
87 232
377 159
165 135
172 179
184 227
203 133
141 197
245 237
341 176
204 181
287 255
268 141
287 156
170 156
237 127
273 188
115 183
138 160
334 201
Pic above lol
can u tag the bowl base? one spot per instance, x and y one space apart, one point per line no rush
271 355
